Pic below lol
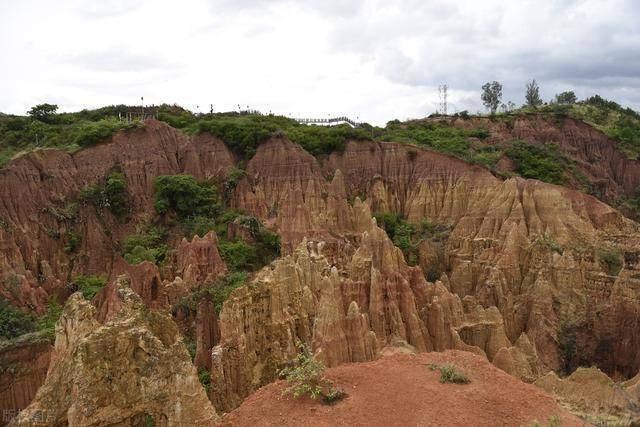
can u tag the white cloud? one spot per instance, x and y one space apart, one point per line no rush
366 58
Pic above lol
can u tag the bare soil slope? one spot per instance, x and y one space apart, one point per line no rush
404 390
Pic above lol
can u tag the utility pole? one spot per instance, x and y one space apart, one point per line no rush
442 94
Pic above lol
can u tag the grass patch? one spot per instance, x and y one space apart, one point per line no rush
450 374
611 259
88 285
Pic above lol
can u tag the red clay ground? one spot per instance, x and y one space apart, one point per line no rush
401 390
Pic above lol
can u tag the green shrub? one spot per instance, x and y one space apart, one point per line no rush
487 156
306 377
73 240
234 177
47 323
544 163
145 246
88 285
185 196
44 112
198 225
480 133
112 195
220 293
238 255
612 259
408 237
14 321
547 240
205 378
450 374
91 133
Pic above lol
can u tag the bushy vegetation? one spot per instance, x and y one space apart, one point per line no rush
220 293
46 323
450 374
205 378
87 134
184 196
621 124
88 285
112 194
547 240
438 136
217 292
45 127
306 377
545 163
243 133
145 246
611 259
408 236
14 321
72 241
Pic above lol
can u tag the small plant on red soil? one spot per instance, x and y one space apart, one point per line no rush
306 377
449 374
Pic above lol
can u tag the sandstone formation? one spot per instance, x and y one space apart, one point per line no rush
594 396
517 274
40 201
345 313
131 369
23 368
596 155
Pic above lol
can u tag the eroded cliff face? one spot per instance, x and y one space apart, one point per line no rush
528 248
520 271
345 312
131 369
597 156
23 368
38 191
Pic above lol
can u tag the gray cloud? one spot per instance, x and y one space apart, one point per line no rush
118 59
372 58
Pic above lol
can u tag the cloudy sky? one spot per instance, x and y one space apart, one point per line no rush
372 60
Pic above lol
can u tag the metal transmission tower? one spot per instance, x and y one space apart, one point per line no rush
442 94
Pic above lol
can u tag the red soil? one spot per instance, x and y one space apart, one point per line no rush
403 390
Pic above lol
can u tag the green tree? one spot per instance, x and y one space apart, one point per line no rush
185 196
43 112
491 95
13 321
532 94
567 97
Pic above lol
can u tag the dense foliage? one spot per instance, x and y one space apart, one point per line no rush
545 162
185 196
88 285
45 127
14 321
621 124
112 195
408 236
145 246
